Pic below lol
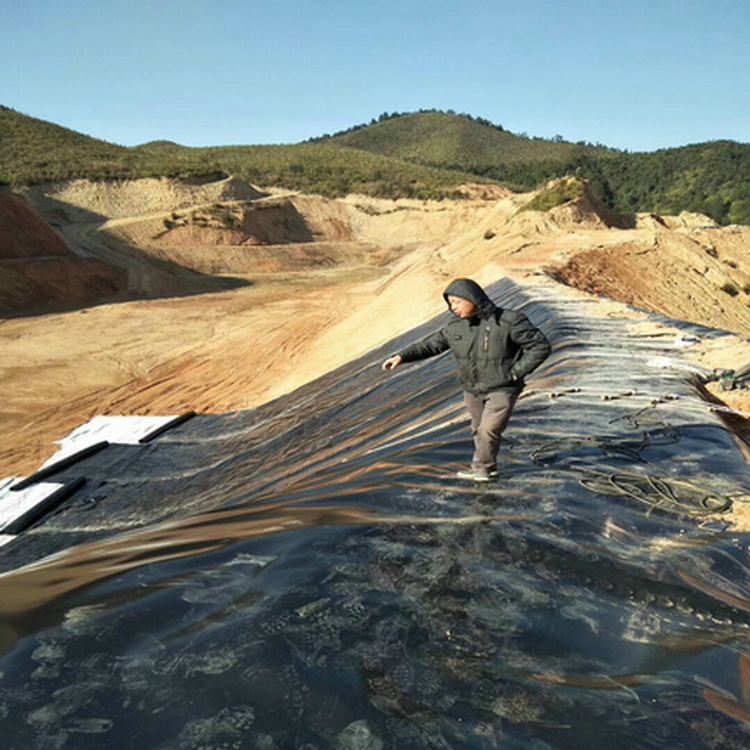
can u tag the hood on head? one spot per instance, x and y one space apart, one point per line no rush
470 290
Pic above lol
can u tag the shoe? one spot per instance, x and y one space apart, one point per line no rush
477 475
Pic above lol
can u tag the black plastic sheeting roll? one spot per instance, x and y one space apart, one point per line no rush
310 574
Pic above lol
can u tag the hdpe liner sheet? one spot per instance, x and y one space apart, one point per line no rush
15 505
122 430
309 574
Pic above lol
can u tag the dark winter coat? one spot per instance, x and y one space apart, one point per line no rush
494 349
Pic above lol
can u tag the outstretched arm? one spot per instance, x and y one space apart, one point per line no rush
429 346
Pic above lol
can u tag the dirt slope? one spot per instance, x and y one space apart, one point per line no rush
38 270
125 198
24 234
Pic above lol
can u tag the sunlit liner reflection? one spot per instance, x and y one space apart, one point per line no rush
739 602
737 709
36 585
593 682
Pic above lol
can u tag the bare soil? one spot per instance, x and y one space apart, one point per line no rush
34 258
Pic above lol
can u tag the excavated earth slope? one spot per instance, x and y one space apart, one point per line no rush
38 269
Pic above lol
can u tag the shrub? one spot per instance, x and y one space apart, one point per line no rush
555 194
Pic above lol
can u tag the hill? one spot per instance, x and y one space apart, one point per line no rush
426 155
456 142
710 178
33 151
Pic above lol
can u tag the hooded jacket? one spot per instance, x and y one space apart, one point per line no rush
494 349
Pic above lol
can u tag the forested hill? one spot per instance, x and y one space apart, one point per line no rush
424 154
711 178
34 151
455 141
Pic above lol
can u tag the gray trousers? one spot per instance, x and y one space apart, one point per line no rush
489 417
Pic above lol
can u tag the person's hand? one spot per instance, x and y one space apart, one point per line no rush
392 362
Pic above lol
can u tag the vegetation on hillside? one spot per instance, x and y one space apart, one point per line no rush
395 115
34 151
335 171
31 148
556 193
710 178
461 142
424 154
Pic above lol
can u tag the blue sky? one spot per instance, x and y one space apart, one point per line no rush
632 74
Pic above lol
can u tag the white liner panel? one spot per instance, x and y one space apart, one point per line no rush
13 504
122 430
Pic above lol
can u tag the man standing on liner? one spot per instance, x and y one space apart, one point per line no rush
495 349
